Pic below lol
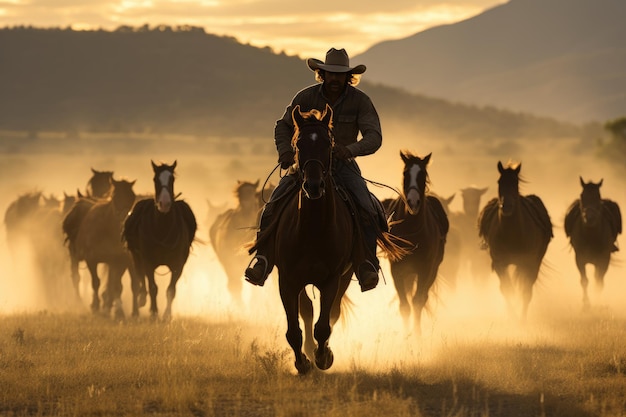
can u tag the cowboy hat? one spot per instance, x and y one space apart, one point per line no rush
337 60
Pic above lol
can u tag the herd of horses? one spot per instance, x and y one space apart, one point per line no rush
317 238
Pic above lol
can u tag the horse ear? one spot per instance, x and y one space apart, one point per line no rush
404 156
256 184
174 164
297 116
484 190
328 115
427 158
154 167
582 182
500 167
93 171
518 168
600 183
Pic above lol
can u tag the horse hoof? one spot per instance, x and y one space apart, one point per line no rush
325 360
303 367
141 300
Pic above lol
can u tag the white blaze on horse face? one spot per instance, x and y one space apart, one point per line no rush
164 202
314 137
413 196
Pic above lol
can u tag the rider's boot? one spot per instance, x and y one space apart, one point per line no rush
257 274
367 272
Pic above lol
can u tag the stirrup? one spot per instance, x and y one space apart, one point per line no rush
265 273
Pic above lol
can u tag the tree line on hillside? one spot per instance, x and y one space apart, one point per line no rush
166 79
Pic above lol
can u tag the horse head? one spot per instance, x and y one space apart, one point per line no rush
163 186
590 202
313 142
415 179
471 199
99 185
123 196
508 188
247 195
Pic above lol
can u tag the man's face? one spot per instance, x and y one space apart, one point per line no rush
334 82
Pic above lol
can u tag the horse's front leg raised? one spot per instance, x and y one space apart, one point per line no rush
289 296
323 354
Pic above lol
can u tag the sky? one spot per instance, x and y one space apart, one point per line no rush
307 29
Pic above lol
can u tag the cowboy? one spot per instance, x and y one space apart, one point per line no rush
353 112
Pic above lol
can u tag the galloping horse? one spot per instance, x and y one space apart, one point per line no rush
93 232
230 232
315 241
160 231
517 230
592 223
421 221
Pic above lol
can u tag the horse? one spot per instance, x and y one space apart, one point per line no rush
99 185
592 224
232 230
93 233
314 240
159 231
473 257
33 225
516 230
420 220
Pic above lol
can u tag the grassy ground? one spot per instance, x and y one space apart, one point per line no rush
78 364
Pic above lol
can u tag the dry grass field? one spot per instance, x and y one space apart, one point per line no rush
213 359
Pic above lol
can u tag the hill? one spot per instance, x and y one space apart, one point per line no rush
559 58
185 81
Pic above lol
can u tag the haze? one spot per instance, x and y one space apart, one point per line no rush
374 325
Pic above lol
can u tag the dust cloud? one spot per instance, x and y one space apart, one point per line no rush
372 332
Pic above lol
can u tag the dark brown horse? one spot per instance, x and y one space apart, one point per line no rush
93 232
420 220
160 231
592 223
99 185
315 241
517 230
232 230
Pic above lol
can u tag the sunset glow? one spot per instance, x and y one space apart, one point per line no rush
351 25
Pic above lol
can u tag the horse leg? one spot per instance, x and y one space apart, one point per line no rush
290 298
114 289
506 287
581 264
152 288
403 281
138 287
234 281
601 267
425 279
323 354
306 313
95 285
527 278
344 283
75 274
171 293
